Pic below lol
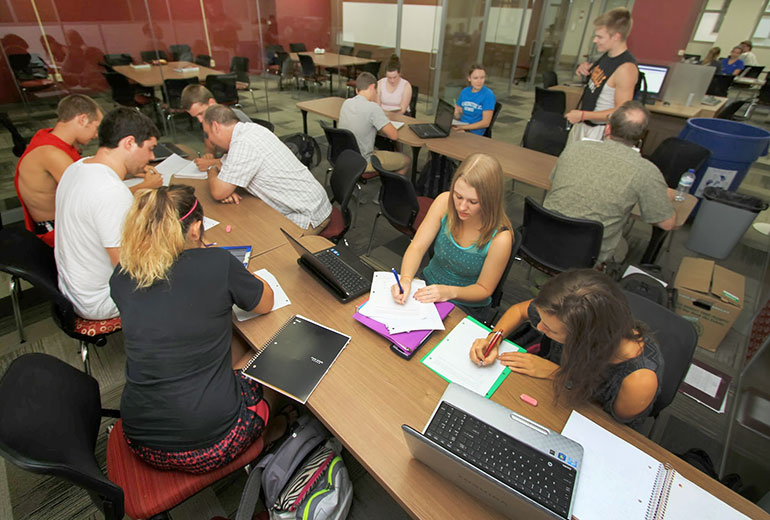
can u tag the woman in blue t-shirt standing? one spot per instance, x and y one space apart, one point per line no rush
476 103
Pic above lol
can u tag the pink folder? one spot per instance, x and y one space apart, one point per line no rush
406 341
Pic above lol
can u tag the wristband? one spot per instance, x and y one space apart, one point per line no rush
582 115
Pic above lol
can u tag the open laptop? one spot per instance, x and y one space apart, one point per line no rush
334 273
441 125
163 151
654 75
518 467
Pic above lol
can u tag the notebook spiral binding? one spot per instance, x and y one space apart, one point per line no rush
656 506
267 344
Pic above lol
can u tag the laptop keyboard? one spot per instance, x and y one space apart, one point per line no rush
429 130
348 278
517 465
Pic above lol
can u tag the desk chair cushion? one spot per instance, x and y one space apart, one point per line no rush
86 327
149 491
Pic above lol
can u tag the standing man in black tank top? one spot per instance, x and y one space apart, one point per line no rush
612 78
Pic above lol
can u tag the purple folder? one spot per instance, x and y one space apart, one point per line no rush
406 341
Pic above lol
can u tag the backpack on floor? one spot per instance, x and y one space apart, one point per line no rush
303 478
305 148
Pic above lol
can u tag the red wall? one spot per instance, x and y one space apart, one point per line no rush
661 28
303 21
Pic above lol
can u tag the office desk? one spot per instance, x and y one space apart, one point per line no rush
665 120
369 393
330 108
331 60
154 76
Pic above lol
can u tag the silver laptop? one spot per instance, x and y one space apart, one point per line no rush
518 467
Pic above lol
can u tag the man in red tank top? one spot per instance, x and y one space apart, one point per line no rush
48 154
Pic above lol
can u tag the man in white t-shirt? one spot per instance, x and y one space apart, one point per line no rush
748 57
91 205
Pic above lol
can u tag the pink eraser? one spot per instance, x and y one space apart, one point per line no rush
528 399
229 228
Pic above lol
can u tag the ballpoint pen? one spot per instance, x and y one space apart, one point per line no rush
492 343
400 289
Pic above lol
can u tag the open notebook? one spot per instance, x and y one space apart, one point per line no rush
618 480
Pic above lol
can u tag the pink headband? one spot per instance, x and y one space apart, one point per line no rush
191 210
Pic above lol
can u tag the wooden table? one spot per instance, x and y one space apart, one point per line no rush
154 76
369 393
665 120
330 108
331 61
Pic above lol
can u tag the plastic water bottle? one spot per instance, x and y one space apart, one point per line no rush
685 183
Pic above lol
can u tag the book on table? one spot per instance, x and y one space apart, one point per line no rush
297 357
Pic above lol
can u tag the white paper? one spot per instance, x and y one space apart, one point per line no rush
209 223
457 122
616 479
451 358
179 167
382 305
687 500
397 124
279 296
703 380
635 270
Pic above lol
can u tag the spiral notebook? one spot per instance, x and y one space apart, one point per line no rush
297 357
618 480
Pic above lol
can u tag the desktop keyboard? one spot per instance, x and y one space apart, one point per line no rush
515 464
348 278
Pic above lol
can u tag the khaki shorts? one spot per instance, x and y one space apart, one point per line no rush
391 161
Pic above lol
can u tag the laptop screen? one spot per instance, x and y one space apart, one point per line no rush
655 75
444 115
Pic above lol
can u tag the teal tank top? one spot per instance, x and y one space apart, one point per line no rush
455 265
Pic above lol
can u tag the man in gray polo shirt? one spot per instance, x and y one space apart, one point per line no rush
364 117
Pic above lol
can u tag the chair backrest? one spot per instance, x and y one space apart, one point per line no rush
720 84
149 56
118 59
728 110
550 79
413 101
550 100
345 50
546 132
240 66
264 122
398 200
495 113
27 66
297 47
307 64
752 71
181 52
51 414
339 140
364 54
223 87
121 89
174 88
675 336
555 243
204 60
674 156
349 167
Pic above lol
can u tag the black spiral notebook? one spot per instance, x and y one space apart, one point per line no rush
296 358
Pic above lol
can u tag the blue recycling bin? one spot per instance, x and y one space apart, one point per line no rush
734 148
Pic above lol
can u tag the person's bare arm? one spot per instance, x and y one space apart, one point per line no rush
636 392
390 131
625 78
510 321
406 97
114 254
219 189
265 304
486 120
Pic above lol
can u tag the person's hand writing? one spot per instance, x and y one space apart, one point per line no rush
477 352
528 364
152 179
584 69
204 162
406 284
232 199
574 116
434 293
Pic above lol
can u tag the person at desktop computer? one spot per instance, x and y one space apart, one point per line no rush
612 77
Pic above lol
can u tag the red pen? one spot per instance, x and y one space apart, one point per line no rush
498 335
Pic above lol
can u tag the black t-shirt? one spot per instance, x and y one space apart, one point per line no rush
601 72
181 392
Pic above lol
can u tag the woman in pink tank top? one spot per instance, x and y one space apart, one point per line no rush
394 92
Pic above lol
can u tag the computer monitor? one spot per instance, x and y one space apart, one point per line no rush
655 75
686 83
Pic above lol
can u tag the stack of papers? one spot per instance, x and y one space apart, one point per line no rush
413 315
179 167
279 296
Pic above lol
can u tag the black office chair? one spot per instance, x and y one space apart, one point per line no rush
297 47
412 112
339 140
550 79
25 257
112 60
364 54
308 72
550 100
720 84
729 110
203 60
554 243
181 52
173 105
30 73
224 88
344 50
495 113
399 203
373 68
349 166
240 66
546 132
263 122
676 337
150 56
126 93
19 141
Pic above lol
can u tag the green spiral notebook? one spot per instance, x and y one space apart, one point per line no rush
450 359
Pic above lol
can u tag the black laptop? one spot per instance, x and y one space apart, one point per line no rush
334 272
163 151
442 125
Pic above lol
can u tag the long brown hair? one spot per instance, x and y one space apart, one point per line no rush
483 173
598 319
154 235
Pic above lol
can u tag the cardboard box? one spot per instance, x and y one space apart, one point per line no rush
711 297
